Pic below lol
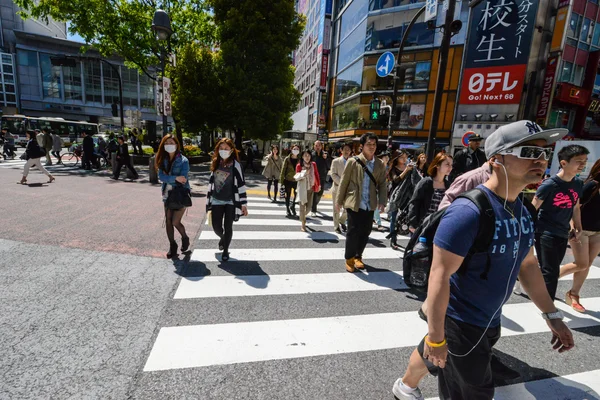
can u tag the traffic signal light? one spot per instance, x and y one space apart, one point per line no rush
114 110
375 109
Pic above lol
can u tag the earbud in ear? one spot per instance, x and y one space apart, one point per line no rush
498 162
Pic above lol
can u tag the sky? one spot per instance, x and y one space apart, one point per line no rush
76 38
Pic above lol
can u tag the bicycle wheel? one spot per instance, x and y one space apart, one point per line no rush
69 160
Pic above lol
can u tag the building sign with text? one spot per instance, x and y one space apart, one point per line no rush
500 38
547 91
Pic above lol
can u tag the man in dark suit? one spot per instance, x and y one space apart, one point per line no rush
468 159
88 151
123 158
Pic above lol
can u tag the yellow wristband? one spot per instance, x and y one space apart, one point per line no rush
431 344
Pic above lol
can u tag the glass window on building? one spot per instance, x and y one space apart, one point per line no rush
345 116
578 75
561 118
585 30
567 71
411 76
352 47
596 35
93 81
130 87
353 15
386 31
73 86
111 85
147 97
29 74
574 28
51 84
27 58
348 82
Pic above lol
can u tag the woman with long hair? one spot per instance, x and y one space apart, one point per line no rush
34 153
272 171
397 175
226 199
420 169
587 248
173 169
308 184
430 191
287 179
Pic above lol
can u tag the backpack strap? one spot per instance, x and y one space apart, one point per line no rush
485 233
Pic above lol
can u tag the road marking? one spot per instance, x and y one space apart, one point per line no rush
282 212
281 205
291 235
310 222
585 385
284 254
267 200
232 343
268 285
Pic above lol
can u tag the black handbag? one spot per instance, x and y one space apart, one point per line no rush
179 197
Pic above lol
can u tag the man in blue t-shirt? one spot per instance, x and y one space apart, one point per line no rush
557 199
465 308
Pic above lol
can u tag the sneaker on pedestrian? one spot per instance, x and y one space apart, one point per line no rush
344 227
403 392
313 214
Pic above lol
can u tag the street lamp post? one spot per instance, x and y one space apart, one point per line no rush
161 25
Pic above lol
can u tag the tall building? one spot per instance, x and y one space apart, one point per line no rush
32 86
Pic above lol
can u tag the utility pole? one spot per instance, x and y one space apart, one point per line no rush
450 27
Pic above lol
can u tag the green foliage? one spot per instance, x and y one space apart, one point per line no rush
256 38
192 150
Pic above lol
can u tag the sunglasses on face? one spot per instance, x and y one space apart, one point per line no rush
529 152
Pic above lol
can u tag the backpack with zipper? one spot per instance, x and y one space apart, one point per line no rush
419 250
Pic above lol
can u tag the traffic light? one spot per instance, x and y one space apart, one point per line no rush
375 109
114 110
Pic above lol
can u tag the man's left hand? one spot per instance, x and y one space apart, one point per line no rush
562 337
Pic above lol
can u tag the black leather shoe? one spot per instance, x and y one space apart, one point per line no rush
172 250
225 256
185 244
344 227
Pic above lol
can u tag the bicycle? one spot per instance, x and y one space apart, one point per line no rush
71 159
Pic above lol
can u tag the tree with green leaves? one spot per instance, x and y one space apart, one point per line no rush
257 38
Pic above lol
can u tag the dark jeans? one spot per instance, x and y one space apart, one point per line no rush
393 222
56 154
9 150
88 160
359 228
468 377
127 163
222 222
289 185
317 197
550 252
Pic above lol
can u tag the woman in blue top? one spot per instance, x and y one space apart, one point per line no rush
173 168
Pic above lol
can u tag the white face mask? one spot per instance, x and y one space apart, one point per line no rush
295 152
170 148
224 154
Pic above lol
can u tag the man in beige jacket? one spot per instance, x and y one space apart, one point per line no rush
361 195
337 169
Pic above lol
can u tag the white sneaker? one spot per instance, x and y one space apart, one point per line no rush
313 214
402 394
518 290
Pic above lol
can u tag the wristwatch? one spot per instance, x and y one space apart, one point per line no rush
553 315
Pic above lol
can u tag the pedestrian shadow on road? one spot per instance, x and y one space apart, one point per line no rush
191 270
533 384
389 280
249 271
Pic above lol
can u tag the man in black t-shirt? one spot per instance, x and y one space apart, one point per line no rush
468 159
557 199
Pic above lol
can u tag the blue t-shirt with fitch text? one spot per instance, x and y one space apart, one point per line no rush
472 299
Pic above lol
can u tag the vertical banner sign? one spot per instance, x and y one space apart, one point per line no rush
500 36
324 65
562 16
322 110
159 97
431 10
548 89
167 97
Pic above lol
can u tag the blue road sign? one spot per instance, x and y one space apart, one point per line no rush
385 64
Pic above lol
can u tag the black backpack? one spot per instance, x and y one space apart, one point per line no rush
428 228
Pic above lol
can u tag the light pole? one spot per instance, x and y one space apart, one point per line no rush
161 25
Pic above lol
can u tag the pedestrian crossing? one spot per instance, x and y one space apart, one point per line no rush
282 319
17 163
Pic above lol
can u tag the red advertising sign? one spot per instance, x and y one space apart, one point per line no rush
544 106
324 65
573 94
493 85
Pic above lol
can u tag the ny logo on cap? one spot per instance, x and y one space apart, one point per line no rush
533 127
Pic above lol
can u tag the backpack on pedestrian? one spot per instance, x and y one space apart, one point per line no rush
419 251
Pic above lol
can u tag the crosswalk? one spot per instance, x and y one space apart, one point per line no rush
282 319
17 163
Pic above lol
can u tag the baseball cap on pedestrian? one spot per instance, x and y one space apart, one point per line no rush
475 137
121 137
517 133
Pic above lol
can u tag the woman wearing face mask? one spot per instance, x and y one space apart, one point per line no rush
308 184
226 199
173 169
430 191
272 171
287 179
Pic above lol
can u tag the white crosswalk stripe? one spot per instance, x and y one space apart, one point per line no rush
273 262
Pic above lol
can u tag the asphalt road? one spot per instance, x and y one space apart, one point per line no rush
90 308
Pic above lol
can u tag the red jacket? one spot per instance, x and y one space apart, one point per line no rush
317 179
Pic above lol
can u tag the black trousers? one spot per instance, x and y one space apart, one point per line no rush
550 252
222 222
274 182
359 228
126 163
469 377
317 196
289 185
